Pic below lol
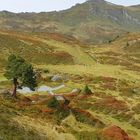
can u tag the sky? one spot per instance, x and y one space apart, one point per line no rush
49 5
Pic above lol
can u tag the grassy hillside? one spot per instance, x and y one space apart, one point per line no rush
111 71
93 51
51 49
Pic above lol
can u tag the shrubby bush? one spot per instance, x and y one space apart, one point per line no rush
53 103
87 90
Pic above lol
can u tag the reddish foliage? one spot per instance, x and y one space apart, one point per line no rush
61 56
111 103
46 110
107 79
35 97
115 133
87 115
25 99
70 95
58 37
84 96
109 85
101 94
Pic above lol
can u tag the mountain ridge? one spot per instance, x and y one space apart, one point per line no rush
95 21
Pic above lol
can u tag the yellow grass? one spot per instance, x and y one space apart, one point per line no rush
2 78
111 121
43 128
94 70
79 56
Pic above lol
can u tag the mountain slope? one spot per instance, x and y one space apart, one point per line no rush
51 49
93 21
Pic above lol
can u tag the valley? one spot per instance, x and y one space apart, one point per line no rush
92 22
86 62
110 70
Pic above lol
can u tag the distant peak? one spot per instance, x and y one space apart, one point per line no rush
4 11
96 1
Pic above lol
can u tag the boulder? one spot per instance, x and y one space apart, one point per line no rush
56 78
76 90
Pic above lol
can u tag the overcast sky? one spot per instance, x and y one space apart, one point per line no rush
49 5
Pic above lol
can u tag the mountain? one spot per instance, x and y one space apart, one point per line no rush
59 46
93 21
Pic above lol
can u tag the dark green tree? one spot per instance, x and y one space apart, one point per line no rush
20 71
53 103
87 90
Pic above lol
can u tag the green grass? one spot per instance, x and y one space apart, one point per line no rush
2 78
94 70
10 129
79 56
124 125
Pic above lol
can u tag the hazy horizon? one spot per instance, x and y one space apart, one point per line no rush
47 6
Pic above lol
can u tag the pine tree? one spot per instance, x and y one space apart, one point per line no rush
87 90
18 70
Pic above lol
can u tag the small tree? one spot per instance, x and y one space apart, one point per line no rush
53 103
87 90
19 70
